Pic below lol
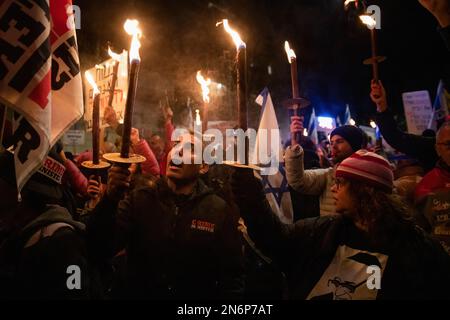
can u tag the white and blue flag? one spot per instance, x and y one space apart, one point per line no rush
347 116
275 184
312 127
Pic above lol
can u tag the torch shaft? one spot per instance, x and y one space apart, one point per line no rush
127 122
294 78
205 117
373 40
241 63
295 137
113 83
96 129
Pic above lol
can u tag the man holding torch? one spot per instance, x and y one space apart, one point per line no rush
182 239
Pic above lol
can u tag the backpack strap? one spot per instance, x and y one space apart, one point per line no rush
45 232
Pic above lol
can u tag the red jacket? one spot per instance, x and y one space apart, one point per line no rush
77 181
151 164
437 179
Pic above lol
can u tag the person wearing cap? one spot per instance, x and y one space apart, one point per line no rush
345 140
370 250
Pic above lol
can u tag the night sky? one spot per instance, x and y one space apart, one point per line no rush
180 38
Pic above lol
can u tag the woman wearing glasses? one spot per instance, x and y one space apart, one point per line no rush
371 250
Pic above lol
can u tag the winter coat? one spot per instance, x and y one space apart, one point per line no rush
178 246
421 148
311 182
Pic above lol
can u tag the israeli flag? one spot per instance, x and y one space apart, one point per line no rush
275 185
347 115
312 127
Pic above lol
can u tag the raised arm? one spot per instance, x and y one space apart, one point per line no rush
416 146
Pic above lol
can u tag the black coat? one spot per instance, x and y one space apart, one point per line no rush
177 247
39 259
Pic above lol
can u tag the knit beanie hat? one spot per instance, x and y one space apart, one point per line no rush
353 135
369 168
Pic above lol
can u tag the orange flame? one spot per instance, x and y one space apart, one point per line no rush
234 35
290 53
198 122
113 55
368 21
132 28
92 82
205 86
347 2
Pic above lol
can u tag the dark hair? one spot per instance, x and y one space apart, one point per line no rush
383 214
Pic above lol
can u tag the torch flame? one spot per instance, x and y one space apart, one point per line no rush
205 86
92 82
132 28
113 55
198 122
236 37
347 2
368 21
290 53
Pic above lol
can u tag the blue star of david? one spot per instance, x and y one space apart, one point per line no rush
276 191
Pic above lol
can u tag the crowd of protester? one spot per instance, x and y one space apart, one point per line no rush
162 230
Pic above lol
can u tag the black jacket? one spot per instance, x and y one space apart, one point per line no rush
421 148
417 267
177 246
39 259
445 34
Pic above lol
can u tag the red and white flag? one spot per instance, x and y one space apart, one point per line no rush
39 76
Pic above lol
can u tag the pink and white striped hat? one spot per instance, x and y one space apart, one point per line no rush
369 168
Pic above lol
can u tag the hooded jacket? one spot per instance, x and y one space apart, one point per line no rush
178 246
43 257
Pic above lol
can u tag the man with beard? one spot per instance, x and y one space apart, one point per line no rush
345 141
181 239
